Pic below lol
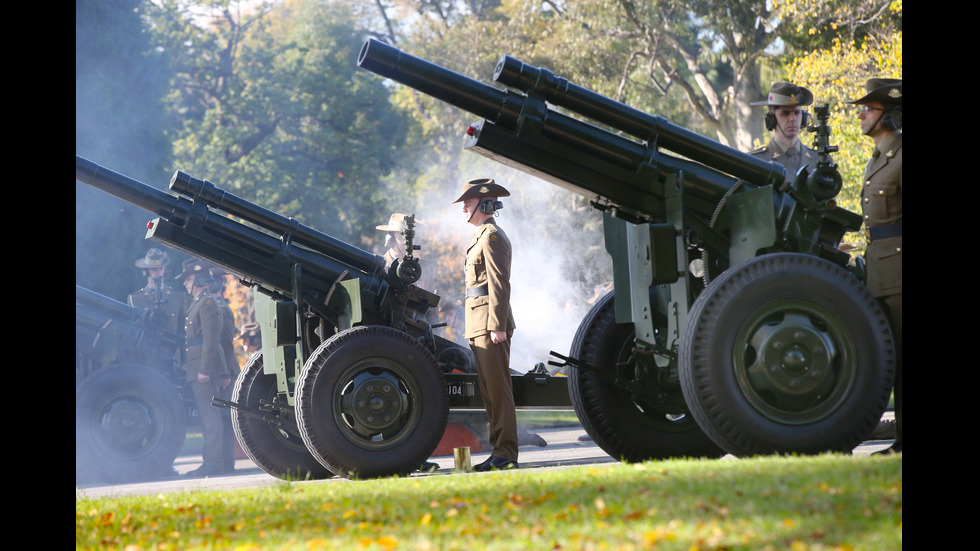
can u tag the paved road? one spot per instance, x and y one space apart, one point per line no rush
567 447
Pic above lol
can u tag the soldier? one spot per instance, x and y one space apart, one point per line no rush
163 307
207 369
228 333
395 242
489 320
880 117
785 118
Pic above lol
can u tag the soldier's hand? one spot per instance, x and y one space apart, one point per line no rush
202 378
225 381
497 337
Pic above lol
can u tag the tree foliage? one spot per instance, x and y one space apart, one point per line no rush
269 104
119 123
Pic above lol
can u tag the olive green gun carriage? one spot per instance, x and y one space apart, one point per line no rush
131 407
736 323
351 379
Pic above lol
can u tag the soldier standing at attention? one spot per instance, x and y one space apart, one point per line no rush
785 118
489 320
163 306
880 117
207 370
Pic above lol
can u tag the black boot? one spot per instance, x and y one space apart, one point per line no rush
496 464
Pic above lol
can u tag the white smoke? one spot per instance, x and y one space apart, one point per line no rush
557 262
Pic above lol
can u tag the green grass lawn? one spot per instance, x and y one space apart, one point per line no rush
781 503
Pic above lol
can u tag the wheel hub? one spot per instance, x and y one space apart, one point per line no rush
374 403
126 425
790 362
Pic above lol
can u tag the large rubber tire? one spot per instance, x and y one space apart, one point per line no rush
277 449
624 426
130 424
787 353
372 402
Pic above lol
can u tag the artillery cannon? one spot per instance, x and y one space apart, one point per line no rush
131 414
736 323
350 380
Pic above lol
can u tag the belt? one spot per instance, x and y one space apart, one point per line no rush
477 291
194 341
882 232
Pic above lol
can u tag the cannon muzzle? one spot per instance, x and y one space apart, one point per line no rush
439 82
132 191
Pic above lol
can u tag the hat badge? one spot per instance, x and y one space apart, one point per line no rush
894 93
484 189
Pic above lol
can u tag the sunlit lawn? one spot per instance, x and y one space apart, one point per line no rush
805 503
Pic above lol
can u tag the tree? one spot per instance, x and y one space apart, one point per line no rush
819 24
270 105
119 123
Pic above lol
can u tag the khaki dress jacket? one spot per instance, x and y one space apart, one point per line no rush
800 156
881 201
488 260
203 328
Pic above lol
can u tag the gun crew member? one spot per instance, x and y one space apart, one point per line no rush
880 117
164 307
207 369
489 320
785 118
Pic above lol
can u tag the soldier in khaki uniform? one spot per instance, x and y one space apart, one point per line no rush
207 369
489 320
785 118
881 200
164 306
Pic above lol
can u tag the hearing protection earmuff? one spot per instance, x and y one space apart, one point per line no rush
202 280
891 120
490 206
770 119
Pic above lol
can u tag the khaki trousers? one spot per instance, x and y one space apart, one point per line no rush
497 391
219 435
892 305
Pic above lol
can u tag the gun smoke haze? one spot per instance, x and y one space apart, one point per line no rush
557 262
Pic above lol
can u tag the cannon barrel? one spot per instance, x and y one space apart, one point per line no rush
107 307
132 191
204 190
266 254
613 166
651 128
